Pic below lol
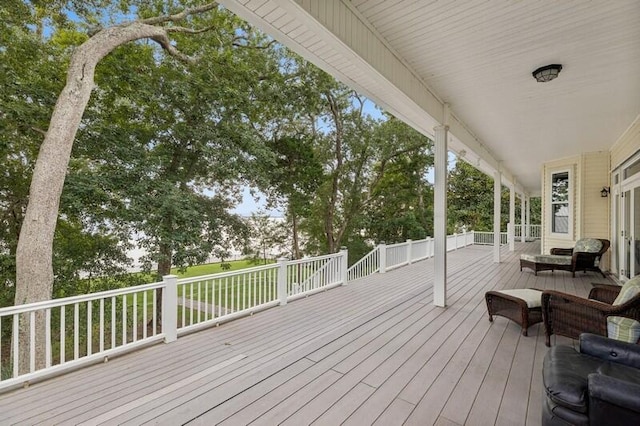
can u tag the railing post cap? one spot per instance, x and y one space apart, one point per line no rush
342 248
282 259
169 277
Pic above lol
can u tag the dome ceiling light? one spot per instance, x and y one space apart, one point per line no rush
547 73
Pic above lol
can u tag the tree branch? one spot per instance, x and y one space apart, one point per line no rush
262 47
164 41
37 130
180 16
186 30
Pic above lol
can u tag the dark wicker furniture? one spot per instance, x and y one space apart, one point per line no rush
537 264
513 308
583 261
569 315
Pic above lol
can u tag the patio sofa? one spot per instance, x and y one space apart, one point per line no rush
597 385
585 256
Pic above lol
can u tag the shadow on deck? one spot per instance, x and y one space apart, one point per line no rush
375 351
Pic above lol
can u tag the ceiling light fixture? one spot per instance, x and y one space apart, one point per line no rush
547 73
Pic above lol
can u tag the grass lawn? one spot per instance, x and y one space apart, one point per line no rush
214 268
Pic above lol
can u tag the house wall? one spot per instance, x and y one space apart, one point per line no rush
572 164
591 212
627 145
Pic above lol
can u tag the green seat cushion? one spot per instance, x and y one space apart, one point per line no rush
549 259
588 245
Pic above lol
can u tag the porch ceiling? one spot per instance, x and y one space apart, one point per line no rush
411 57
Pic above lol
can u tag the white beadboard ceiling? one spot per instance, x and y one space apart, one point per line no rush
477 56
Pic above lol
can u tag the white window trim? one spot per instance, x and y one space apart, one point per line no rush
568 235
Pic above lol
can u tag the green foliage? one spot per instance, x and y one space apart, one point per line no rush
165 148
470 201
170 142
268 239
401 206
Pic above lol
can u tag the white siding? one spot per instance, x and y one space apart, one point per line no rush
627 145
591 212
596 211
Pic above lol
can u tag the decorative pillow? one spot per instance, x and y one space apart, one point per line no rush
588 245
625 329
628 291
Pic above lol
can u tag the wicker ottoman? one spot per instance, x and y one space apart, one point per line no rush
546 262
521 306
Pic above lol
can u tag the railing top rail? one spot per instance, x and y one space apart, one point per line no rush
311 259
45 304
227 274
396 245
406 242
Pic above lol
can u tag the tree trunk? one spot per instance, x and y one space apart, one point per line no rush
296 244
164 268
335 180
34 269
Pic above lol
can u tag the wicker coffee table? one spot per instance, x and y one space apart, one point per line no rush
520 305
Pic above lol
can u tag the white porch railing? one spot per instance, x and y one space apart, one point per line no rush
79 330
211 299
369 264
486 238
305 277
385 257
531 231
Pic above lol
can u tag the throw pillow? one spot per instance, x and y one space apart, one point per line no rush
588 245
625 329
628 291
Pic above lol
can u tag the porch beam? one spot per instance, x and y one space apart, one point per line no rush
440 216
497 201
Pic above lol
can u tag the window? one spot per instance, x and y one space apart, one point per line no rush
632 170
560 203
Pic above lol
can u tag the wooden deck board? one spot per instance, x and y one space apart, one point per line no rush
375 351
345 406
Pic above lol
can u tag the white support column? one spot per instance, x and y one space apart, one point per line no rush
512 218
170 308
345 264
282 281
523 237
528 218
497 200
440 217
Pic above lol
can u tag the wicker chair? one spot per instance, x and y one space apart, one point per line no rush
569 315
583 261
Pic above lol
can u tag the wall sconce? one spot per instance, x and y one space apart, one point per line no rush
605 192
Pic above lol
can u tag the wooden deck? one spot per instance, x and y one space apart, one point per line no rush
374 352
